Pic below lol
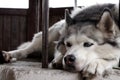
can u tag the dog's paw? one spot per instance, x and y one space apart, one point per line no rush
96 68
55 65
5 57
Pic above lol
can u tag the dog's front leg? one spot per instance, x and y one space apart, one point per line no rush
56 63
98 67
36 43
26 48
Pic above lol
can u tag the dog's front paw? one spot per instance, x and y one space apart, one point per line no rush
97 67
55 65
5 57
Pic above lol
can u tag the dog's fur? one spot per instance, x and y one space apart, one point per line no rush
91 35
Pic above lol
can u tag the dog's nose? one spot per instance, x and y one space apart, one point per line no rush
69 59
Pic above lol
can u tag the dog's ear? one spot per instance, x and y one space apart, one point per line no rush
106 22
68 18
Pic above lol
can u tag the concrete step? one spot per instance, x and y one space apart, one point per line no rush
25 70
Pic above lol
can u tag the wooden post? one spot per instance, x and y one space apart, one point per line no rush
33 18
45 25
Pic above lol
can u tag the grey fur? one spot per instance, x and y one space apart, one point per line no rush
93 13
86 23
91 17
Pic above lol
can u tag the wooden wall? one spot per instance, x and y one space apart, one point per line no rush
12 28
57 14
19 25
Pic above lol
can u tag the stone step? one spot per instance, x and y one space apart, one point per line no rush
25 70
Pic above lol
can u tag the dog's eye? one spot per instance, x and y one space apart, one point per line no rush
68 44
87 44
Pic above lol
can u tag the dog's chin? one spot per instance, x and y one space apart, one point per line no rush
70 68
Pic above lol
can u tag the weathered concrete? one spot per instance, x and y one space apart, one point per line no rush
22 70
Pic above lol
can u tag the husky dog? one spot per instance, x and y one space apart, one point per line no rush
87 40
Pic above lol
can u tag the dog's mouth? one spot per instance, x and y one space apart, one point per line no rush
73 66
70 68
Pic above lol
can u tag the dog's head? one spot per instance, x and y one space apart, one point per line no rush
81 36
80 50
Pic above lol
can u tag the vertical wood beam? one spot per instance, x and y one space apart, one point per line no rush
33 18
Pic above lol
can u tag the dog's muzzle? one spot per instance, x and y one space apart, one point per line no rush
69 60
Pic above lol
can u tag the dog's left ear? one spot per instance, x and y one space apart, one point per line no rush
68 18
106 23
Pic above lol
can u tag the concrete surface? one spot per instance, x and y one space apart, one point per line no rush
22 70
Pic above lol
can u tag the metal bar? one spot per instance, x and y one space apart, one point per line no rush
45 25
75 4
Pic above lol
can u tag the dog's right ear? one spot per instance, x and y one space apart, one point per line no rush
68 18
106 22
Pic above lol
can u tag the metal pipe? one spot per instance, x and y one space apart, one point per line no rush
75 3
45 25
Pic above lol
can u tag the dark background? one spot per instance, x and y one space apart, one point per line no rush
19 25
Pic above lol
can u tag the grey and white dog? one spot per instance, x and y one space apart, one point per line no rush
86 41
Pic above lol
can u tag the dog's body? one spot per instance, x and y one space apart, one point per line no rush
87 41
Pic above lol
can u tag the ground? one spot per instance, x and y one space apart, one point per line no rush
27 70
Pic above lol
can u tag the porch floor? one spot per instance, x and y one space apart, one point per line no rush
26 70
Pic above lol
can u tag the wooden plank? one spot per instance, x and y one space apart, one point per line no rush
6 32
5 11
1 31
32 23
15 32
22 29
40 14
